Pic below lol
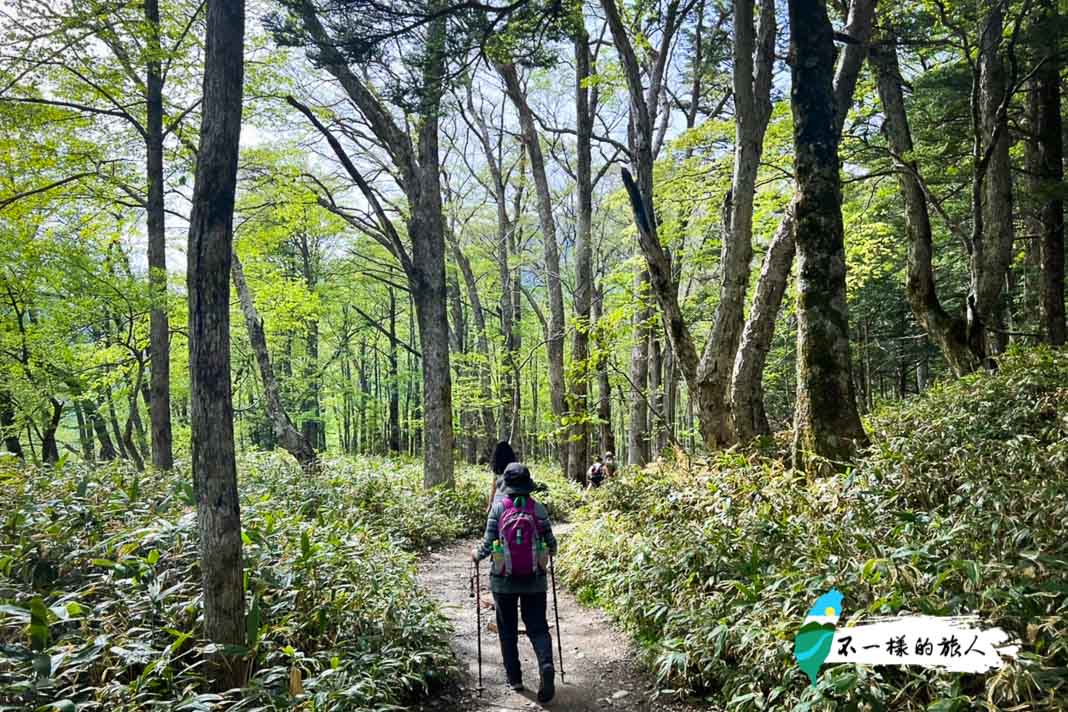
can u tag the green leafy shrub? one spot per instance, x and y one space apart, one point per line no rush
960 508
100 586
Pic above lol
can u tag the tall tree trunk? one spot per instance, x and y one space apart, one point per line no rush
579 440
113 420
211 404
138 442
393 387
7 422
285 433
518 435
130 446
656 394
671 398
85 433
754 54
159 328
747 387
489 420
458 346
604 388
312 424
365 404
96 421
427 274
135 414
49 448
508 424
826 423
948 332
991 240
1050 145
555 327
638 428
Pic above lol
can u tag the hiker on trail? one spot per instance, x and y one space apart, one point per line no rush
601 469
595 475
502 457
520 538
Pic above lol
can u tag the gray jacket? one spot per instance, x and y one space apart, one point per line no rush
503 584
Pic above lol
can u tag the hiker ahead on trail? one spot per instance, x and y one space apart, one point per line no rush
520 538
503 456
600 469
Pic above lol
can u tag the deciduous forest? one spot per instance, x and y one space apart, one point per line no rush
276 276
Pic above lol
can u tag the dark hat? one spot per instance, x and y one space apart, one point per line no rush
517 479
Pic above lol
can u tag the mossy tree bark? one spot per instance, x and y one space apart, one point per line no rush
754 55
747 384
827 427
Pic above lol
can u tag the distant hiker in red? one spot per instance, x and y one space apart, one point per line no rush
520 538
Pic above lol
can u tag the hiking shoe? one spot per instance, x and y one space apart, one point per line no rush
516 686
548 689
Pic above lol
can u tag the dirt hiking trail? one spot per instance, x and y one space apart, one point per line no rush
601 672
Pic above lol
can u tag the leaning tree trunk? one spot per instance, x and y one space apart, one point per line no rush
285 433
949 333
211 398
96 421
49 448
747 387
827 424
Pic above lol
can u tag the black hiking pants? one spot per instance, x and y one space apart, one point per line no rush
533 607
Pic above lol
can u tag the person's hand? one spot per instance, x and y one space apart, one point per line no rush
474 555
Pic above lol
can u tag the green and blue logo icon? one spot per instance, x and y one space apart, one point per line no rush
813 642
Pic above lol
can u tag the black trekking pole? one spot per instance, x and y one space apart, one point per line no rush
556 612
478 622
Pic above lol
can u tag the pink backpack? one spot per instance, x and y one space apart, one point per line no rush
520 543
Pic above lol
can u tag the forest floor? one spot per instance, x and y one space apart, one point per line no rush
601 669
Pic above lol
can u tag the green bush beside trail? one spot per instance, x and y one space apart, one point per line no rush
961 507
100 587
